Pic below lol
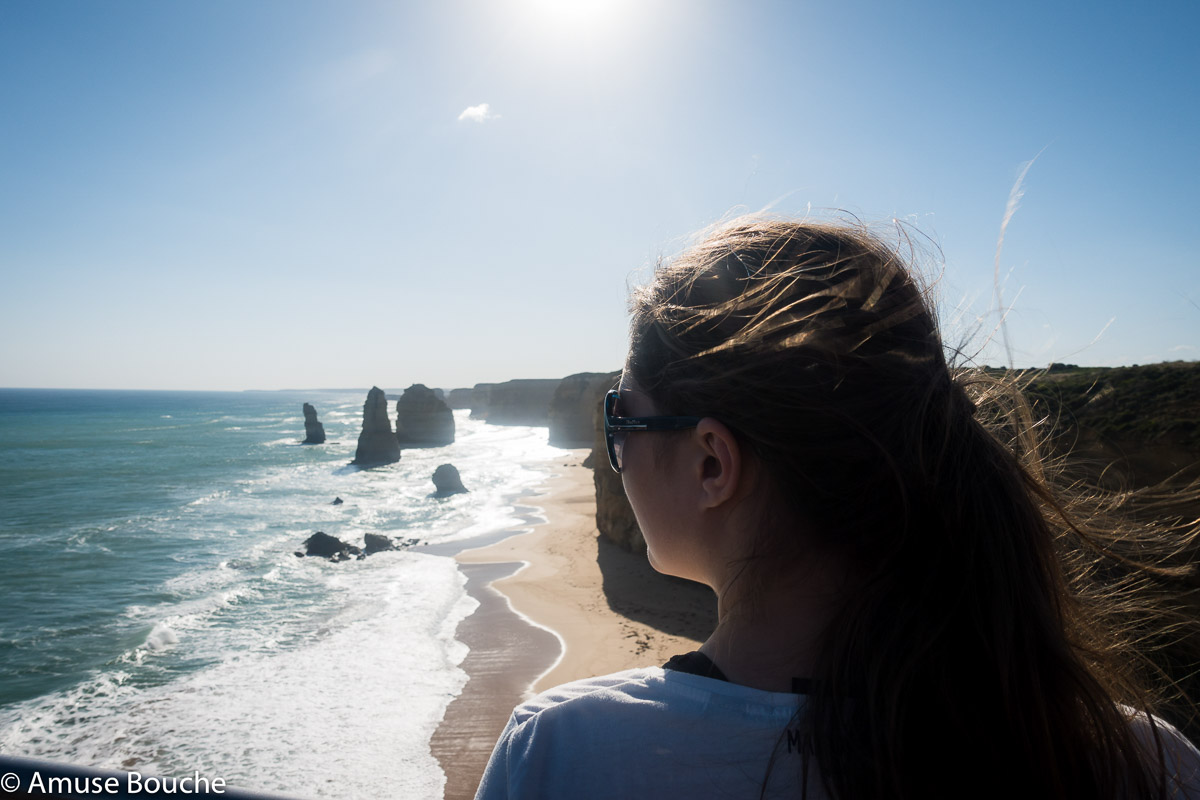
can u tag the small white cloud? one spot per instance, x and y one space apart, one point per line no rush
1180 347
479 113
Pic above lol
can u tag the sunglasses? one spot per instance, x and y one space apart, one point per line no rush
615 427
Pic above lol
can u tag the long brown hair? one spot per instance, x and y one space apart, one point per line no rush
990 643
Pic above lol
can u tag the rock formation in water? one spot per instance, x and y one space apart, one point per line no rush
374 543
323 545
337 501
314 431
447 481
376 444
423 420
519 402
573 407
614 516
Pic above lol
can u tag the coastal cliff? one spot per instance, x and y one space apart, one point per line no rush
314 431
422 419
479 400
572 411
517 402
460 398
376 444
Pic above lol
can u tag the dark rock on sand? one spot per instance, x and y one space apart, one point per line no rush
376 444
447 481
314 431
422 419
573 407
323 545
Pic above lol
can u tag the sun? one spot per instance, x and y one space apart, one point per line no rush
577 18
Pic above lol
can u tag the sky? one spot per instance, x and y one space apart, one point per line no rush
277 194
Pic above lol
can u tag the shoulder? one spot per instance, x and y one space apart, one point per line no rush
653 689
570 735
672 733
618 689
1180 757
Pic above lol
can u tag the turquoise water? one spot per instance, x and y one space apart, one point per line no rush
153 615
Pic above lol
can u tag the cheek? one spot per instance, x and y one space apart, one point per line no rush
664 525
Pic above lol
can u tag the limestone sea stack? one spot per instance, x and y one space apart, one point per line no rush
314 431
573 407
423 419
376 444
447 481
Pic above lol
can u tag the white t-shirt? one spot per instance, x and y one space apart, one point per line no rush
655 733
646 733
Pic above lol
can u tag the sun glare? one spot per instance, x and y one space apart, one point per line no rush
578 18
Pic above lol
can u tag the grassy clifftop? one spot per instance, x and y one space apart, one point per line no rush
1124 426
1157 404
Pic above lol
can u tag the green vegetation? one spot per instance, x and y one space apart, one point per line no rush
1157 404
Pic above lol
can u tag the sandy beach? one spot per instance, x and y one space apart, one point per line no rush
556 604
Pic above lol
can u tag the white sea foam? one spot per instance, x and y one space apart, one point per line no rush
361 700
160 638
248 663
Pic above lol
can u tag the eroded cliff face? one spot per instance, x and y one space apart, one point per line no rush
519 402
314 431
480 393
422 419
377 443
614 516
460 398
572 410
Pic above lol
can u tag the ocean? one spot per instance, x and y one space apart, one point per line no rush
154 617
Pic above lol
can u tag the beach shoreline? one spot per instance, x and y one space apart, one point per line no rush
558 602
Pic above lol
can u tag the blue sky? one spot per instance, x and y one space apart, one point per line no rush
234 195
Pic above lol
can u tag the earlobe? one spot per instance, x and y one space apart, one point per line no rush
721 468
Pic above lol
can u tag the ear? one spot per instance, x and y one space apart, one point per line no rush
721 472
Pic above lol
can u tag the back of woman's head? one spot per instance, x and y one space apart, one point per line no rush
815 344
957 647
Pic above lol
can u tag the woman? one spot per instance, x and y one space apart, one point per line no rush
906 608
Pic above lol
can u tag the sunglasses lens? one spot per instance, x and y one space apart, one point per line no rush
616 447
614 439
